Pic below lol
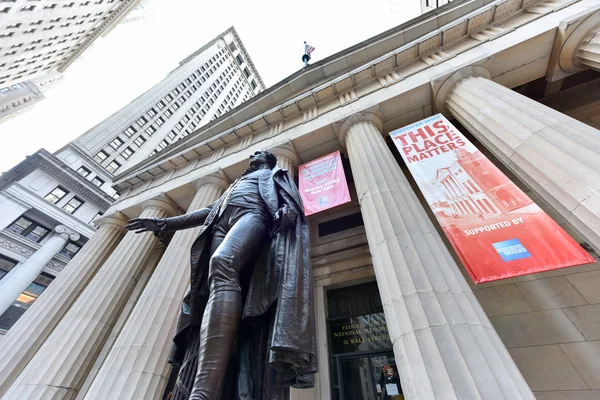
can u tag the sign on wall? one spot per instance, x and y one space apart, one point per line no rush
497 230
363 333
323 183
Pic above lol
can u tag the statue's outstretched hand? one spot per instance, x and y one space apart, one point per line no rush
140 225
284 218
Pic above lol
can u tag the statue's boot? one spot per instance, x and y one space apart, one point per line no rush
217 336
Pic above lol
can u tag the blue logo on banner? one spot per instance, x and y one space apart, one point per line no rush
323 201
511 250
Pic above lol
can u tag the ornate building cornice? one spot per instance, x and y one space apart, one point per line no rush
407 52
57 169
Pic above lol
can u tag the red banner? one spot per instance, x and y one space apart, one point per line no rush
497 230
323 183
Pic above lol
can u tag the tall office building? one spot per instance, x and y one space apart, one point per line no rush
20 97
208 83
141 12
42 38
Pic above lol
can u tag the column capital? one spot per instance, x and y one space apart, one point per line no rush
215 178
355 119
286 150
165 203
442 88
572 37
67 233
117 219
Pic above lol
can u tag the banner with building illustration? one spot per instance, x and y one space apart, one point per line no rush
323 183
497 230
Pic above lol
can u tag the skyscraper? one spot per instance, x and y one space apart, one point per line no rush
20 97
44 37
206 84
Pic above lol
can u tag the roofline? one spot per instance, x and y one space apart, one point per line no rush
203 134
242 49
22 169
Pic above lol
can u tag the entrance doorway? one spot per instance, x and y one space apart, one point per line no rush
371 377
362 361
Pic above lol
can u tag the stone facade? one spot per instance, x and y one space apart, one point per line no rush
498 69
37 228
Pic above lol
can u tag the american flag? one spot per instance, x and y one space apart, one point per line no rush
308 48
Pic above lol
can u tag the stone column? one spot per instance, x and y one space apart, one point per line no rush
61 365
157 254
554 154
444 344
17 280
287 157
24 339
136 367
588 53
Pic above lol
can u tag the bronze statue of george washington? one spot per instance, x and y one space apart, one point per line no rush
246 329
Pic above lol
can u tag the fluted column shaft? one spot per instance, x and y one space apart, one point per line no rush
588 53
136 367
554 154
157 254
444 344
24 339
59 368
20 277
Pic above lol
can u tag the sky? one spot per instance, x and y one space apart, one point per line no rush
136 56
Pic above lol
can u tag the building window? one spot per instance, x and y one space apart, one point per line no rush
56 195
83 171
24 301
151 112
70 250
160 105
172 135
101 156
127 152
141 121
98 215
72 205
29 229
159 121
113 166
97 181
139 141
168 113
116 143
175 106
163 144
150 130
6 264
129 131
168 97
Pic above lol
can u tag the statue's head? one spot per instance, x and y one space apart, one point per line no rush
263 157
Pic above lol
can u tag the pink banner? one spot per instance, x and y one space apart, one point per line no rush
323 183
497 230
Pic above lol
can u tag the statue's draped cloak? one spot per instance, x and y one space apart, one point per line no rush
276 345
